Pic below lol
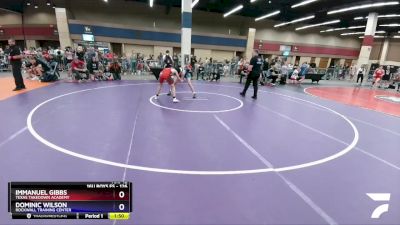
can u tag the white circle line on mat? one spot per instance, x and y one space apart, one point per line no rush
200 111
190 172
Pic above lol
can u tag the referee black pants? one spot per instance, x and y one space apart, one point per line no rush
16 70
360 76
254 79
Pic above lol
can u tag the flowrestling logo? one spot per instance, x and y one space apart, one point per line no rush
384 198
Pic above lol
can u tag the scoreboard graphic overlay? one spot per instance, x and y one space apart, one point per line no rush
66 200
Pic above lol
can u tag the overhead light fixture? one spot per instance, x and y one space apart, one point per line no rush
356 27
373 5
268 15
318 24
396 36
28 3
356 33
295 21
333 29
342 28
252 1
380 16
54 6
105 0
36 6
151 3
374 37
390 25
389 16
303 3
237 8
194 3
48 3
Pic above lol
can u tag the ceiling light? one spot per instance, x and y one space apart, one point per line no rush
194 3
354 33
237 8
151 3
36 6
28 3
295 21
396 36
333 29
390 25
105 0
380 16
48 3
389 16
268 15
318 24
374 37
373 5
356 27
54 6
252 1
303 3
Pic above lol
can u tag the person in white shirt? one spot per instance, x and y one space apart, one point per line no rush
353 71
360 74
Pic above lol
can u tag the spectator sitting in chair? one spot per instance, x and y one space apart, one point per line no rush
115 69
274 73
294 76
34 69
78 68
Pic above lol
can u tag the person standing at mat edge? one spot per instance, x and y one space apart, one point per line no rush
255 71
15 59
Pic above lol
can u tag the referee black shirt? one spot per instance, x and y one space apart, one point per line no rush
257 63
14 51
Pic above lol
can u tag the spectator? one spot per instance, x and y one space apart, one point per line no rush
201 71
115 70
303 71
193 61
167 60
133 63
265 71
360 74
34 69
176 60
78 68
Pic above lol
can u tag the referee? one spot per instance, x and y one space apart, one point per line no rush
256 64
15 59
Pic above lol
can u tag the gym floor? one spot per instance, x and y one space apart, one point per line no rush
300 154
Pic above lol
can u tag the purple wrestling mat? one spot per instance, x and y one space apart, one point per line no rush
286 158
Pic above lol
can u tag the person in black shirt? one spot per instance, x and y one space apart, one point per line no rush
15 59
201 72
167 60
255 71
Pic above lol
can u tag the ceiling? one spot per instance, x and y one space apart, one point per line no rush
262 7
318 8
